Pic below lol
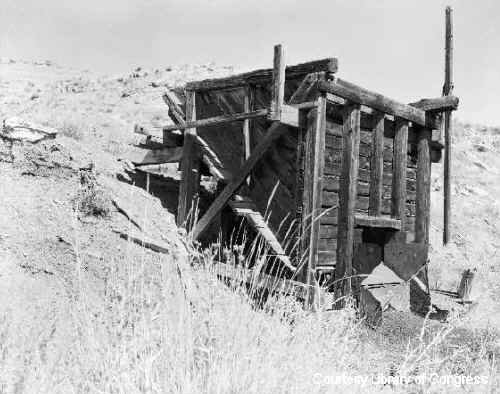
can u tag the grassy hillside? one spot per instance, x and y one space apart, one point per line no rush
83 310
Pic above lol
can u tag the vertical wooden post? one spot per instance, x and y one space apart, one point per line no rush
423 197
465 287
278 88
420 300
247 125
314 162
190 175
400 152
347 202
447 90
377 166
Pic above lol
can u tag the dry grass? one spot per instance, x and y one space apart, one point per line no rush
135 331
140 333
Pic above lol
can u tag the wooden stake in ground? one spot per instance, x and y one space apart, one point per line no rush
447 90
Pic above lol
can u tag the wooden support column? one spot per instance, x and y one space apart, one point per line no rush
278 87
400 152
420 300
447 90
377 166
189 166
347 202
423 197
247 124
314 162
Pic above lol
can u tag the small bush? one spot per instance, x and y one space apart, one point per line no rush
92 200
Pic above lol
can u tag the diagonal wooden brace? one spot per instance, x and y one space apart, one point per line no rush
274 132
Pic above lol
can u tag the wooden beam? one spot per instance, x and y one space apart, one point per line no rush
448 124
154 156
314 162
190 174
278 83
440 104
377 222
273 133
216 120
448 74
420 300
247 125
377 166
347 202
305 88
208 156
377 101
399 159
290 115
423 197
175 111
264 76
304 105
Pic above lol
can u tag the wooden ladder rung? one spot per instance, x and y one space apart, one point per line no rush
244 206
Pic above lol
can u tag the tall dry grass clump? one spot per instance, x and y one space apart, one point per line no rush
142 331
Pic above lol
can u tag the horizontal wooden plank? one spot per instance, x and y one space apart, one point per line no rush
328 244
331 183
329 215
326 259
374 100
362 203
289 115
154 156
331 188
330 199
377 222
334 142
216 120
327 231
328 65
440 104
364 174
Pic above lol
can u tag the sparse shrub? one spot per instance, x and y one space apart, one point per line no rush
92 200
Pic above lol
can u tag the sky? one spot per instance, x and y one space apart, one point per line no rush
395 47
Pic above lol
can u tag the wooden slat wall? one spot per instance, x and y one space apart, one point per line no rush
333 160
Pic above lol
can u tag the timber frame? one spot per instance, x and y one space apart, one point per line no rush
349 163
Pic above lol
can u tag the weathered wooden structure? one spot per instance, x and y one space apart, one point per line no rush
335 177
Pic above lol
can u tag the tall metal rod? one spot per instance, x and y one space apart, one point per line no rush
447 90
